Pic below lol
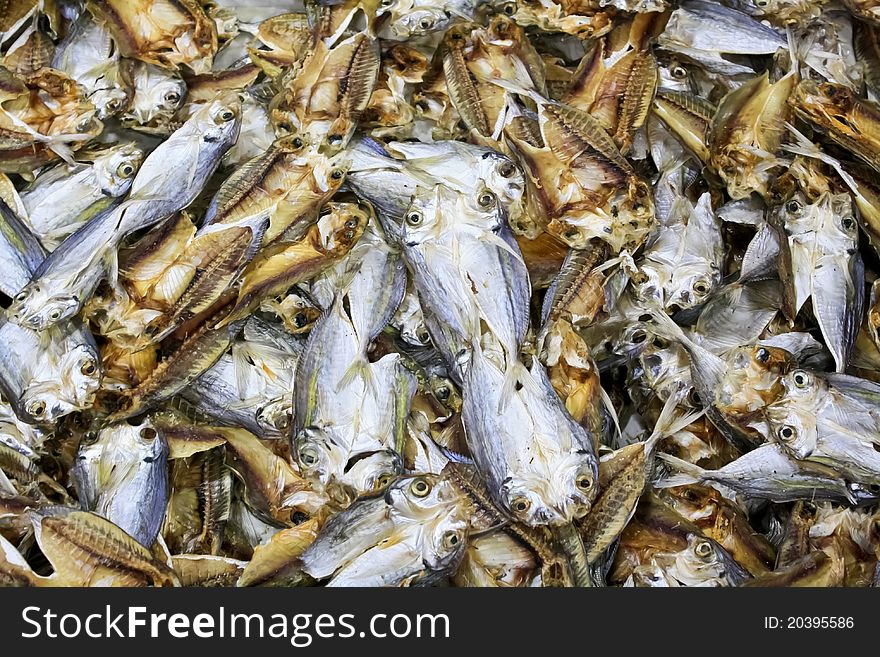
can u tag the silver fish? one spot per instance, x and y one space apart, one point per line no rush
415 534
538 462
158 94
87 54
766 472
250 386
121 473
825 265
71 273
63 198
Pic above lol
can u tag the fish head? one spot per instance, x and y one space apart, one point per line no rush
422 220
109 458
329 172
704 562
44 402
419 22
420 496
565 495
157 97
690 284
110 101
220 120
676 75
37 307
116 170
80 372
373 473
276 415
791 421
319 456
341 224
447 539
505 179
650 282
838 227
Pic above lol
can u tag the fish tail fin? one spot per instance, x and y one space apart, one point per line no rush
687 474
669 422
360 367
517 377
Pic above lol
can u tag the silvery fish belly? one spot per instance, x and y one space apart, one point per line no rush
540 463
338 416
468 240
121 473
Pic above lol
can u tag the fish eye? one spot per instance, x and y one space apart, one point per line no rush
801 379
334 138
21 297
639 336
227 115
300 320
584 482
89 438
703 549
509 8
55 314
520 504
88 367
794 207
423 335
297 142
787 432
387 3
506 169
351 223
451 540
420 488
442 393
679 72
701 287
336 174
486 200
848 223
384 479
174 97
762 355
426 23
125 170
414 218
308 456
149 434
762 3
36 408
694 397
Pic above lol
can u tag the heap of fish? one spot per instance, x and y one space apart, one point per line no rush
431 292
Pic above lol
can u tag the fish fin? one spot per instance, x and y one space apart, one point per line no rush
360 367
669 422
609 406
807 148
688 473
515 375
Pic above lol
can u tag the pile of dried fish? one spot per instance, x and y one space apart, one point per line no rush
414 292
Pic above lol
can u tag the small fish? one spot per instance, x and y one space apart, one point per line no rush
121 473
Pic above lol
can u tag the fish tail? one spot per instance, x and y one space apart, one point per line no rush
360 367
517 377
687 474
